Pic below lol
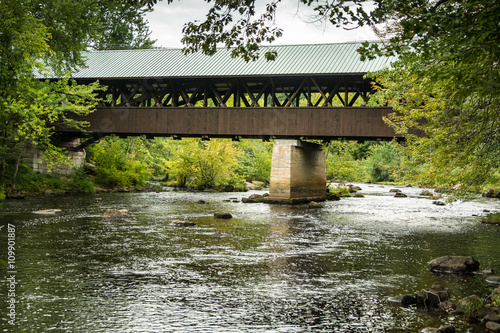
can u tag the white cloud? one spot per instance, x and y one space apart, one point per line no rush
167 20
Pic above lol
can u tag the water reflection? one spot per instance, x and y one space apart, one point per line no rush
271 268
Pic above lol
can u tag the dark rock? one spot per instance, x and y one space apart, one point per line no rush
223 215
433 297
486 311
332 197
492 326
229 188
314 204
181 223
201 202
454 264
115 213
395 190
491 193
403 300
400 195
438 203
492 317
446 329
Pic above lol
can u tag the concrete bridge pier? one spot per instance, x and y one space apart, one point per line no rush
298 172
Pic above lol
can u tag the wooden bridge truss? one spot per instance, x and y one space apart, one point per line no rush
287 91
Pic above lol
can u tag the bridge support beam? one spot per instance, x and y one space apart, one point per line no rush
298 172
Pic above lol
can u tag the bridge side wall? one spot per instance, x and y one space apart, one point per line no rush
291 123
298 171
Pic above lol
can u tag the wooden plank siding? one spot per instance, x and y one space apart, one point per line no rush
327 123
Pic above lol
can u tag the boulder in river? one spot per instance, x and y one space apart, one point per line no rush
403 300
454 264
115 213
432 298
314 204
181 223
223 215
492 326
400 195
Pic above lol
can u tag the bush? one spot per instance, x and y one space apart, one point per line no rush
342 162
116 165
80 182
204 164
255 162
382 162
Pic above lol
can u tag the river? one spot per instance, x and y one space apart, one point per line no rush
271 268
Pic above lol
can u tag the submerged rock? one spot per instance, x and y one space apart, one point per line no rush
48 212
400 195
454 264
115 213
395 190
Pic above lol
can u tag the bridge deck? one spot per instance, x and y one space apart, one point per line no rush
326 123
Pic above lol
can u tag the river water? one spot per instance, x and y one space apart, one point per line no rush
271 268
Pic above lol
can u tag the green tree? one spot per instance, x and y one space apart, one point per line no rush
121 26
49 35
204 164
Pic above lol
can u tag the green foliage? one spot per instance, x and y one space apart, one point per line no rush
32 182
116 165
255 162
382 162
121 26
342 162
80 182
202 164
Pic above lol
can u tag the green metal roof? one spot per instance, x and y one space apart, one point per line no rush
339 58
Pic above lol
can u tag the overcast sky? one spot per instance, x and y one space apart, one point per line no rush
166 22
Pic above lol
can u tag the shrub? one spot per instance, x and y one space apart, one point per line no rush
80 182
382 162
